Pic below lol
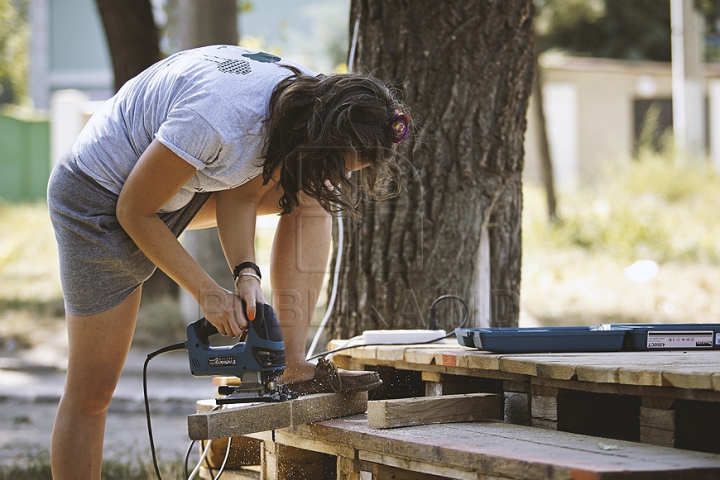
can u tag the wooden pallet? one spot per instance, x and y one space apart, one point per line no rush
350 449
661 398
601 416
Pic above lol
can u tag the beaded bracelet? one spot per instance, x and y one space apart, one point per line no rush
248 274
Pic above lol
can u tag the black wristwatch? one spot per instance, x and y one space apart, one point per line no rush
244 265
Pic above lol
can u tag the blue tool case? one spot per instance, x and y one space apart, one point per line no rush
678 336
601 338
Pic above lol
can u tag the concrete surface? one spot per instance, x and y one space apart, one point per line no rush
31 382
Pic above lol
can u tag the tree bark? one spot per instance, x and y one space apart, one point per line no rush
466 71
132 36
545 158
201 23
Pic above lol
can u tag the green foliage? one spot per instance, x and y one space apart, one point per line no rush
625 29
653 208
14 36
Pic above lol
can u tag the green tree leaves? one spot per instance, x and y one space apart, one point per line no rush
14 36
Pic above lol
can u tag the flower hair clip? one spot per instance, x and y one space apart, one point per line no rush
397 127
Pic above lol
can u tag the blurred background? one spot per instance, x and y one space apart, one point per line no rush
621 219
621 155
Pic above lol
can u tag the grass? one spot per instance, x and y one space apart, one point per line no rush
36 466
653 213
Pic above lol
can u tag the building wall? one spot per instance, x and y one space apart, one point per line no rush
589 109
68 50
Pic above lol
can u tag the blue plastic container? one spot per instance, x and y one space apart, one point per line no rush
605 338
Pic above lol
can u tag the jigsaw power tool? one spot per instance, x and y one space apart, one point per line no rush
258 361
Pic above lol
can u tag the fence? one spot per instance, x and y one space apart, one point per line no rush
24 157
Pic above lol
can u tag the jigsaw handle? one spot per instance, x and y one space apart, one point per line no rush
204 330
266 325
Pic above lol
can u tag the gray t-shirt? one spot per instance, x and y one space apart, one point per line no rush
207 105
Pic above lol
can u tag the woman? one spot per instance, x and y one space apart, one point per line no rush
212 136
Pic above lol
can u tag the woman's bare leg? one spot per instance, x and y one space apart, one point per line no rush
99 345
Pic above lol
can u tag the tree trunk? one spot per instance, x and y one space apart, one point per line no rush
133 41
207 22
200 23
132 36
545 158
466 71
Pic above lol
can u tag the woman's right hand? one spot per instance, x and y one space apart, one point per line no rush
224 310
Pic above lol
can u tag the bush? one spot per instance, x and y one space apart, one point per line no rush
652 209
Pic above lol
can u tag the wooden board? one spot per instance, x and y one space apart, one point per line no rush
513 451
681 369
242 419
403 412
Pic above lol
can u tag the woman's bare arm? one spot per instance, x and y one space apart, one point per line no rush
156 178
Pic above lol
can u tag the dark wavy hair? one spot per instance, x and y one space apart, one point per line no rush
314 122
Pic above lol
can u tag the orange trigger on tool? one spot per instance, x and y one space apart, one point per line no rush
251 316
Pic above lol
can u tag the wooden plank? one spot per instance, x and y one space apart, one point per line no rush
518 364
657 426
517 408
241 419
657 436
421 355
513 451
716 381
431 377
313 408
296 463
287 436
364 353
598 374
476 359
403 412
658 403
618 389
698 376
433 389
657 418
235 420
544 413
642 375
605 368
269 466
348 468
691 370
243 451
385 466
558 370
449 359
390 353
251 473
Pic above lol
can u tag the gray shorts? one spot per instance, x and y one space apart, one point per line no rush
100 265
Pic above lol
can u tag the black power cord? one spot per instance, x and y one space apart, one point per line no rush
432 325
169 348
187 457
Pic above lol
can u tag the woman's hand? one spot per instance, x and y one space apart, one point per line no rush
248 289
224 310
